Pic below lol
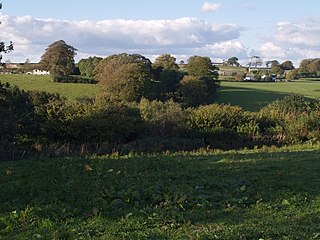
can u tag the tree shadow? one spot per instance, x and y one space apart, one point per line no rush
247 98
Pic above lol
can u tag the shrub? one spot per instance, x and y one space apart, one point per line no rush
74 79
163 118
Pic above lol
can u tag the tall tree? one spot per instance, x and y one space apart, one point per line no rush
59 59
124 76
201 80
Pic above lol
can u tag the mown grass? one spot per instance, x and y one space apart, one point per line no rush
254 95
44 83
233 195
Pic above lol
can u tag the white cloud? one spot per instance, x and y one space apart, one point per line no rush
292 40
226 50
271 51
183 36
211 7
304 33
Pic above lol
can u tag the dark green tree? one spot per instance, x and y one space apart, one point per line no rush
202 67
200 86
124 76
287 65
233 61
193 91
59 59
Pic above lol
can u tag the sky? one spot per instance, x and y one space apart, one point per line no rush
273 29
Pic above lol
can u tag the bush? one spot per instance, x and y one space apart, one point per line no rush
163 118
74 79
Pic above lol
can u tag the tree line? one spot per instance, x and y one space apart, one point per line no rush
144 107
35 124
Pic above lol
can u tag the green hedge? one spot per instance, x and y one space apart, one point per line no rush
74 79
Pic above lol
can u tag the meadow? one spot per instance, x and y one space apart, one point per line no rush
44 83
257 194
254 95
250 96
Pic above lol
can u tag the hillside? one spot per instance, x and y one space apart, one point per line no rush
232 195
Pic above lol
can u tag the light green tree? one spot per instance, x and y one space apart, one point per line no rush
87 66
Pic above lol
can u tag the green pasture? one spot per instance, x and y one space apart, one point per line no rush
44 83
233 195
254 95
249 95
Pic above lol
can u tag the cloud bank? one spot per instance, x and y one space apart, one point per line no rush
183 36
293 40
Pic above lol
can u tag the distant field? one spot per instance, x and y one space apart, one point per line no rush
44 83
249 95
254 95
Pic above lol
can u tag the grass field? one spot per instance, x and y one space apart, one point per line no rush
44 83
254 95
249 95
232 195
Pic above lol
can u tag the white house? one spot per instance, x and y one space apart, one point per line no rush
39 72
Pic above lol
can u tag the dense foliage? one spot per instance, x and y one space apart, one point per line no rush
87 65
35 123
74 79
59 59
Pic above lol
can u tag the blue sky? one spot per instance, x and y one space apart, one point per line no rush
219 29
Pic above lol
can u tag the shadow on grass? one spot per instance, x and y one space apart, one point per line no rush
167 190
249 99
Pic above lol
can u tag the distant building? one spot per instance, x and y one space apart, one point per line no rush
39 72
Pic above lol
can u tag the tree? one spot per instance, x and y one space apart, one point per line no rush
87 66
59 59
233 61
193 91
200 86
292 74
287 65
202 67
166 61
314 67
124 76
255 61
3 47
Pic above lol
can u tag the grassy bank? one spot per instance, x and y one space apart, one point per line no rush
232 195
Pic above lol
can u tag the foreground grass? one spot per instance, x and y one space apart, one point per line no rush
233 195
254 95
44 83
